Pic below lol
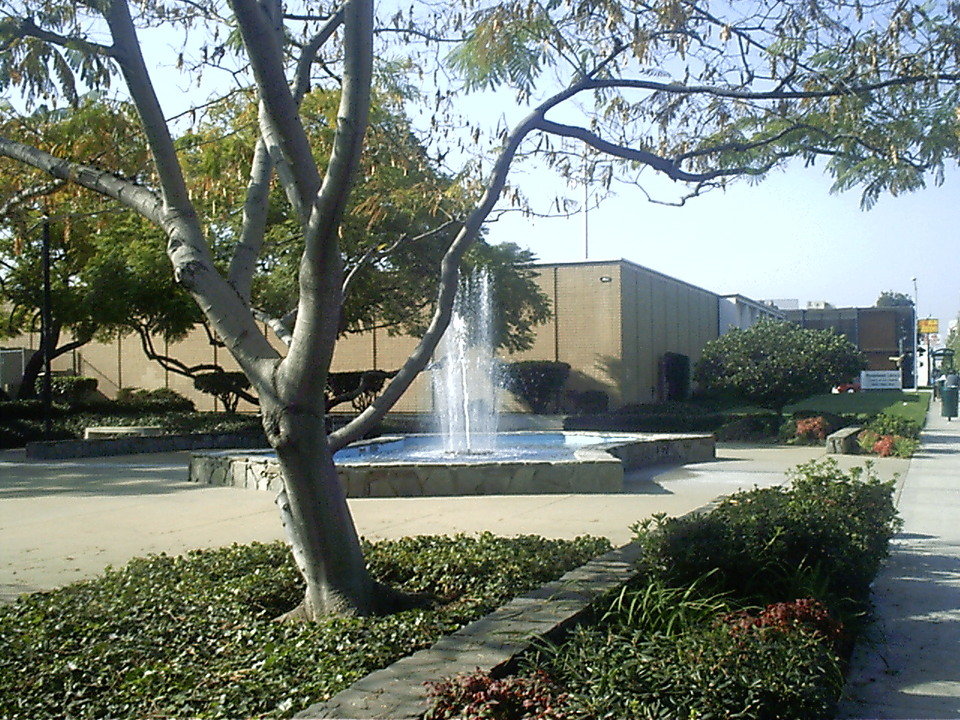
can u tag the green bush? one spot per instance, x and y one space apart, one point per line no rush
772 364
754 427
194 636
156 400
905 447
227 387
28 410
677 417
823 537
618 670
888 424
798 429
68 389
537 383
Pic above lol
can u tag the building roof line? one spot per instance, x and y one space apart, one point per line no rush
630 263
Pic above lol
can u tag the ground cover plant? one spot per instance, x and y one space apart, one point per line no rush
194 636
748 611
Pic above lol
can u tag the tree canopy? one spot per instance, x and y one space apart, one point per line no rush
774 363
889 298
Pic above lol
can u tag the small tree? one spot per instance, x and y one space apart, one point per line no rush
775 363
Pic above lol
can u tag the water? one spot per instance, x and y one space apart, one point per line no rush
529 446
465 375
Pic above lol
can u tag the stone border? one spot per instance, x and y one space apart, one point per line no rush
493 643
597 468
63 449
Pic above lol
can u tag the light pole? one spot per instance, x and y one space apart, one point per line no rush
914 340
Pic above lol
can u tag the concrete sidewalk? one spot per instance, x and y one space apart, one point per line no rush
908 666
61 521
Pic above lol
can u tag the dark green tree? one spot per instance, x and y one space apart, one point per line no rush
889 298
773 363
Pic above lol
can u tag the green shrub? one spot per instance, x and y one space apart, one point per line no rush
588 402
28 410
227 387
774 363
156 400
749 428
537 383
888 424
811 427
905 447
871 442
194 636
866 439
710 670
823 537
68 389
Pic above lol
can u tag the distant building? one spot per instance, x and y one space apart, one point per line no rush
783 303
882 334
739 312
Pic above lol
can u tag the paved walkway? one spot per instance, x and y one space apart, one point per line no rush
66 520
909 664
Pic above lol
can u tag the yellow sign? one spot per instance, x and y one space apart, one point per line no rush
928 325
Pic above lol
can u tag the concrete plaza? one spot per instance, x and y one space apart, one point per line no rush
62 521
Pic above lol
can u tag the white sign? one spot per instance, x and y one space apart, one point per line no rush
880 380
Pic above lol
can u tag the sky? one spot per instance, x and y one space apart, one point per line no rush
787 237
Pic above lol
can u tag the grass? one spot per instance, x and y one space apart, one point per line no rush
909 405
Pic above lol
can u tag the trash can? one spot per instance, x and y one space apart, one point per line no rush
949 395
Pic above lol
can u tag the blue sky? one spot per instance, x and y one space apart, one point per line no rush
787 237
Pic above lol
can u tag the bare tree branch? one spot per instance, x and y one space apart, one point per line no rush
136 197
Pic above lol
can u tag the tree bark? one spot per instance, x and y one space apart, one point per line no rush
317 521
34 365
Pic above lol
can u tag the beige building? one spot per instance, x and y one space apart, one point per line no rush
613 322
620 326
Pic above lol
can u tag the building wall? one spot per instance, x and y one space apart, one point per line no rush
121 363
877 332
612 322
585 328
738 312
661 315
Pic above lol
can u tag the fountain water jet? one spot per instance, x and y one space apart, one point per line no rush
465 375
463 462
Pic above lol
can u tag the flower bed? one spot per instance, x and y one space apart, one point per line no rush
748 611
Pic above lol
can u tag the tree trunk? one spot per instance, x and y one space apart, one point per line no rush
34 366
318 524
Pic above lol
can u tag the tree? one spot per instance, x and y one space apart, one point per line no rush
699 95
889 298
774 363
108 270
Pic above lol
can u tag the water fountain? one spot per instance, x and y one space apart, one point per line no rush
465 376
468 456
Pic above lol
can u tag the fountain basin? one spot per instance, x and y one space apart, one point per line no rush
533 463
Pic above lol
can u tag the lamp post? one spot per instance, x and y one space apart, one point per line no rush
46 334
914 340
